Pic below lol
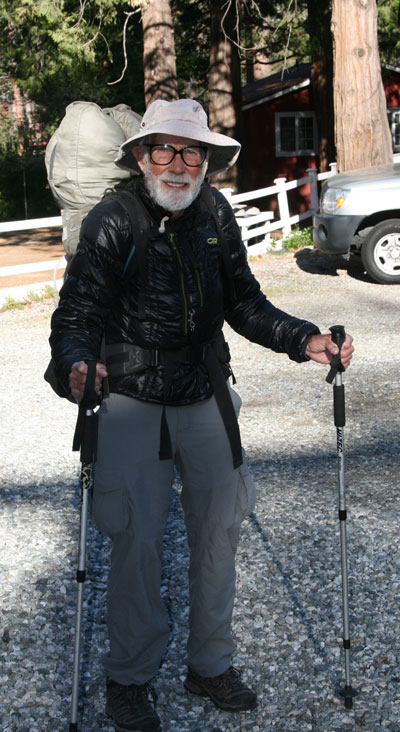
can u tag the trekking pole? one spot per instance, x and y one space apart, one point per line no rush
338 336
85 438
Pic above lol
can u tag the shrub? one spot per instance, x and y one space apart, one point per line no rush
297 239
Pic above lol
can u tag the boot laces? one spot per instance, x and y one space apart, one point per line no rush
140 694
229 680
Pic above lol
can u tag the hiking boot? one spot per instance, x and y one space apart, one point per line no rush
227 691
131 709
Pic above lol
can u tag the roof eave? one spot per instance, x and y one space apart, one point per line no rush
276 95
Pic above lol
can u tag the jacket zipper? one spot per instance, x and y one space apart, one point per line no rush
199 287
185 305
188 312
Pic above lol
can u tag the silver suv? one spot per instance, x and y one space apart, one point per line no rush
360 213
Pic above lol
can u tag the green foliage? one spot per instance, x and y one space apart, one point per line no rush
389 31
10 303
59 51
192 45
297 239
278 29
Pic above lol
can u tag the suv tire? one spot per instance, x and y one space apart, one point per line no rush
380 252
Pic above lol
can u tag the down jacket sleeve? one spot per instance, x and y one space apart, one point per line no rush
93 282
252 315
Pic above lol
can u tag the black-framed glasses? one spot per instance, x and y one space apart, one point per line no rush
192 155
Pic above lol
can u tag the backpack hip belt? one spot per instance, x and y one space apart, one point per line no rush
126 358
123 359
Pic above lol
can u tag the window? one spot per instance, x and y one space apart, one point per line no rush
295 133
394 124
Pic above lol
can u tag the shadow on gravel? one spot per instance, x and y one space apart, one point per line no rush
293 594
315 262
303 484
369 468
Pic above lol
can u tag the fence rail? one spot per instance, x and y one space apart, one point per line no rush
254 224
285 221
27 224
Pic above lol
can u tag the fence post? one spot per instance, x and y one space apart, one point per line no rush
312 174
333 167
283 205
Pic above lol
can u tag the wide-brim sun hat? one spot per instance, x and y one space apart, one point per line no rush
182 118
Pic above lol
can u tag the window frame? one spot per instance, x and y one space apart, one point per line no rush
298 151
392 124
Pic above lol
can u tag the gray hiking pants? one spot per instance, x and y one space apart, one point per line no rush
130 504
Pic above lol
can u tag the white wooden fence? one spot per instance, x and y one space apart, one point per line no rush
254 224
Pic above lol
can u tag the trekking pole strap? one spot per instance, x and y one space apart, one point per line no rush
86 424
225 406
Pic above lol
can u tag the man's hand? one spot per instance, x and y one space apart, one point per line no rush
321 348
77 378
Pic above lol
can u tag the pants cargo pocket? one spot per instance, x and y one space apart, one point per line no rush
246 493
109 508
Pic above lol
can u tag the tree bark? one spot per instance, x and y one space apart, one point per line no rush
362 132
19 115
159 62
224 85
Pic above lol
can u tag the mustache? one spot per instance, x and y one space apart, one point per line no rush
175 177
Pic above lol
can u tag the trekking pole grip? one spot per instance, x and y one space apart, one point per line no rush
338 337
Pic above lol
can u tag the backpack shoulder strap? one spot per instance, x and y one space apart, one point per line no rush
207 200
139 222
140 227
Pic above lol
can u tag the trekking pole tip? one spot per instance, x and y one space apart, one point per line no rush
348 694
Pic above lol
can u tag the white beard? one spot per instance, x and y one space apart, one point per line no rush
173 199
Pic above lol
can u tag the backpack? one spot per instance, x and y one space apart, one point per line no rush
80 158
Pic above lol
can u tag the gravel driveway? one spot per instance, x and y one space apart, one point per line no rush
288 617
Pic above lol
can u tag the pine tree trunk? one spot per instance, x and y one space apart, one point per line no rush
362 132
19 115
159 61
224 86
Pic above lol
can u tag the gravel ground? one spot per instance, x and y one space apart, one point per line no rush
288 616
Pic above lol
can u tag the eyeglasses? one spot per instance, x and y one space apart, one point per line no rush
193 155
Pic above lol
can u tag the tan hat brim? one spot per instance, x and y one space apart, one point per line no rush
223 150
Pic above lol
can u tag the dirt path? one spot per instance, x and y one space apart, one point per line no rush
29 246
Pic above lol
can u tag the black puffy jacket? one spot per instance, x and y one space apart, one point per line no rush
185 297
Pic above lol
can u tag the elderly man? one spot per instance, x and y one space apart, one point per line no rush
169 403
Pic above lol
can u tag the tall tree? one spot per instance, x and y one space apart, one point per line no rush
362 133
159 64
224 83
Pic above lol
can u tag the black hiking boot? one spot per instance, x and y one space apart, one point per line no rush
227 691
131 709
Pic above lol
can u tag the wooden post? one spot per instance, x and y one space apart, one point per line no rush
283 205
312 174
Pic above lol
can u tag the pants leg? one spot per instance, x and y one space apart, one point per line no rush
130 504
212 509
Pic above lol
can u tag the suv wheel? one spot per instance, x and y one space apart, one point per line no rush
380 252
